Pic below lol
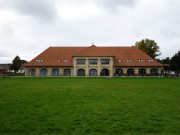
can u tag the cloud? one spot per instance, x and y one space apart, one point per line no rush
112 5
81 22
5 30
44 10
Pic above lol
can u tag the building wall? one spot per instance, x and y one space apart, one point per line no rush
49 69
87 67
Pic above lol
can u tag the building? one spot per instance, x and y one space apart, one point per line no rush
1 70
6 68
92 61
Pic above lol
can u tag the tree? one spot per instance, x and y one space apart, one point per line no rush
24 61
16 64
175 62
149 46
167 60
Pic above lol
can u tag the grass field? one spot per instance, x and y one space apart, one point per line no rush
127 106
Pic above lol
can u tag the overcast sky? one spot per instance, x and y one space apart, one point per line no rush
27 27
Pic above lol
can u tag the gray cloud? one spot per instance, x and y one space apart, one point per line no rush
25 36
112 5
5 30
44 10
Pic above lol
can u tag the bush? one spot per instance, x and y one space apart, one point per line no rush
14 74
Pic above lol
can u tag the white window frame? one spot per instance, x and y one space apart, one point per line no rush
129 60
140 60
150 60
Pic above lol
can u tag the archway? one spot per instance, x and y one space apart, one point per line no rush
32 72
154 71
142 71
67 72
130 72
92 72
55 72
43 72
81 72
104 72
119 71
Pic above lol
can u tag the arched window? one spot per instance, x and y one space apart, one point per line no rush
104 72
67 72
154 71
130 72
81 72
142 71
55 72
32 72
92 72
119 71
43 72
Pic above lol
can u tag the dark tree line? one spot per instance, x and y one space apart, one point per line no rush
172 63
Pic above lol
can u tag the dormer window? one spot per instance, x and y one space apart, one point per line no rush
129 61
150 60
59 61
141 60
119 61
39 61
65 61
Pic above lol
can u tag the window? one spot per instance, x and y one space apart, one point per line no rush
81 72
59 61
129 61
32 72
104 61
81 61
44 72
65 60
67 72
141 60
39 61
119 61
150 60
93 61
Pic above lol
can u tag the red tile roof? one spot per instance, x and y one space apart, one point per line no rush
51 56
94 51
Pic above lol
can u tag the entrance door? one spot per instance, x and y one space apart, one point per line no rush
104 72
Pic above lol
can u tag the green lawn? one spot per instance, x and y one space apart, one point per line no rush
130 106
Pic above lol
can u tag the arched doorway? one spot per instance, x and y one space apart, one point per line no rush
43 72
32 72
119 72
55 72
130 72
92 72
142 71
67 72
81 72
154 71
104 72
